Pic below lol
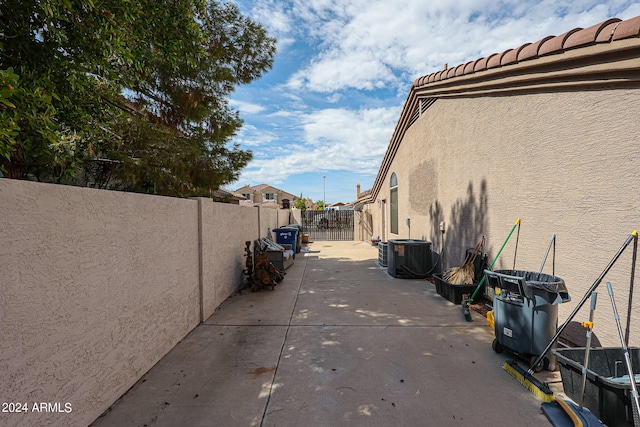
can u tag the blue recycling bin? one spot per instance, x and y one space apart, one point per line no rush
287 236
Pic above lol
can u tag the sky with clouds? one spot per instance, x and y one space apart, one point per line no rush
320 121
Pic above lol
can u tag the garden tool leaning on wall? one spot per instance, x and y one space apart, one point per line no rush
466 300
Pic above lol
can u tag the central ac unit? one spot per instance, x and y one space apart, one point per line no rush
408 258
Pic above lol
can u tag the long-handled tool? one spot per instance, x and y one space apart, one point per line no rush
526 377
552 242
589 326
627 359
630 303
466 302
563 412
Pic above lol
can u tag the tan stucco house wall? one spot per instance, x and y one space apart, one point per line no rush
551 137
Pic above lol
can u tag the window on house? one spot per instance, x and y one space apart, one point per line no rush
246 196
393 183
270 196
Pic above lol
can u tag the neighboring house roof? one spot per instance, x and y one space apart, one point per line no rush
603 54
263 188
223 194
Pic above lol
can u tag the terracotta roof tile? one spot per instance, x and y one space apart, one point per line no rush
495 59
511 56
628 28
587 36
531 51
556 44
451 72
604 32
468 68
480 64
607 33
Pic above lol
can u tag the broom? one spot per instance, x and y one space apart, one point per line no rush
464 274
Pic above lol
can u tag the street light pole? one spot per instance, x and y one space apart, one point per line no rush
324 193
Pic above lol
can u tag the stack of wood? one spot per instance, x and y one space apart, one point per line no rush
259 271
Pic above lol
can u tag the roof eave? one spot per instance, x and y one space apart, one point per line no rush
605 61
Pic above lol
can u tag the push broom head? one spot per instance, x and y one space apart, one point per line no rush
535 386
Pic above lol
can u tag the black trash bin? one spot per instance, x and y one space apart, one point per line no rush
287 236
525 311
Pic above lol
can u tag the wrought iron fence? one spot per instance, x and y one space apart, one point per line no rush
328 225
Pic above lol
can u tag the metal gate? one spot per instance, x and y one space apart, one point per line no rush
328 225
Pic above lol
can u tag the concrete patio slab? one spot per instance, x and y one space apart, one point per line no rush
390 376
338 342
217 375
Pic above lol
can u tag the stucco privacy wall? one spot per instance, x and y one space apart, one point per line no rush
564 162
271 219
98 285
225 229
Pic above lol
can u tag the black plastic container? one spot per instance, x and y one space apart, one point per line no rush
450 291
606 394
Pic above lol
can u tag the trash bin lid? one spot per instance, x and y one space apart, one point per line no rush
550 288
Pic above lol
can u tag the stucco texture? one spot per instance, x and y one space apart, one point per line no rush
563 162
226 228
98 285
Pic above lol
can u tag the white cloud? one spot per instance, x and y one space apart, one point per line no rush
334 139
333 98
246 107
354 54
250 136
376 43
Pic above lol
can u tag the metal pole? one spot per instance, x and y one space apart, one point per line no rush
627 359
633 273
544 260
585 366
324 193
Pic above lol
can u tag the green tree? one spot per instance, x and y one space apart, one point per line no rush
129 95
300 203
320 205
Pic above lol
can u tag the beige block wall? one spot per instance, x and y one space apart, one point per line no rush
97 286
271 219
225 229
565 163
